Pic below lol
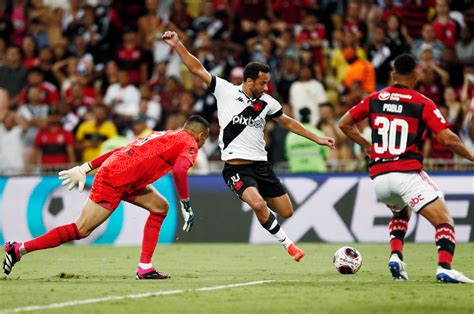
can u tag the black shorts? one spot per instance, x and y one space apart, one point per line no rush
258 174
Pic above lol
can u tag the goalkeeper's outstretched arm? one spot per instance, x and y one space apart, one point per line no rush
77 175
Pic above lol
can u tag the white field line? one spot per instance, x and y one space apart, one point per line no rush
129 296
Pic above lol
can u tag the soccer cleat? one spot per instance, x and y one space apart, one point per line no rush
398 268
150 274
12 256
451 276
295 252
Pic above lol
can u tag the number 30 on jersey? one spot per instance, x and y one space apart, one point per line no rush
388 131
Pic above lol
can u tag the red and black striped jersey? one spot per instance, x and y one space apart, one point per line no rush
398 117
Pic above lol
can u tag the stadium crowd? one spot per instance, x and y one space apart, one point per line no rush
79 78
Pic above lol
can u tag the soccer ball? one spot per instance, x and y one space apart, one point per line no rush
347 260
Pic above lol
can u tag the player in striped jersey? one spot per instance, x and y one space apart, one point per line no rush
398 117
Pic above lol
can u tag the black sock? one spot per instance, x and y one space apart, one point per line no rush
271 221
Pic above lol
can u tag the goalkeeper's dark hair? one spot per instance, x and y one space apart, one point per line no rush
194 121
404 64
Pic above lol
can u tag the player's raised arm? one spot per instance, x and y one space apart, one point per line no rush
191 62
77 175
296 127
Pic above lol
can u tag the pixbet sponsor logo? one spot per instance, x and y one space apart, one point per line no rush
258 122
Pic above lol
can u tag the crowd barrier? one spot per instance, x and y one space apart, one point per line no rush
328 208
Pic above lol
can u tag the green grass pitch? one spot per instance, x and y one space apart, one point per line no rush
73 273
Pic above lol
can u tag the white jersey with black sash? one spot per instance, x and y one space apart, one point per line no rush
242 120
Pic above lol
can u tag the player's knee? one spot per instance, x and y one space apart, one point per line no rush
160 207
287 213
258 205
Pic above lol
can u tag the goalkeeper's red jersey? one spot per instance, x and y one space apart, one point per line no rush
147 159
398 117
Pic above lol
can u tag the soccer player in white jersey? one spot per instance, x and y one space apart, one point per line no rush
242 112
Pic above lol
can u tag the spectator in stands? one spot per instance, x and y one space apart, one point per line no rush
342 42
131 57
446 30
353 22
110 77
450 63
455 110
72 19
139 129
428 40
205 103
65 72
85 65
328 125
19 21
414 14
151 25
11 144
380 56
307 92
149 106
313 34
179 17
304 156
398 39
288 74
79 97
237 76
45 58
465 47
186 103
53 146
211 145
92 133
48 92
432 77
30 53
124 100
175 121
359 70
208 22
13 74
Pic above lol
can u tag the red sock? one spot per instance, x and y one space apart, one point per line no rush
53 238
445 239
151 233
398 228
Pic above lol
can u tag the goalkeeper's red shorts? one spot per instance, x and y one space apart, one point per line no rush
108 196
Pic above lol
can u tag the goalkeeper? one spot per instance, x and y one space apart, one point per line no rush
126 174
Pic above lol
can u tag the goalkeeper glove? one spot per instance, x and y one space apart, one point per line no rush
188 215
75 176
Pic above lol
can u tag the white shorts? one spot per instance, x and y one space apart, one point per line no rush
399 189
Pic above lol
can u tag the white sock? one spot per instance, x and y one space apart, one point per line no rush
277 231
145 266
283 238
